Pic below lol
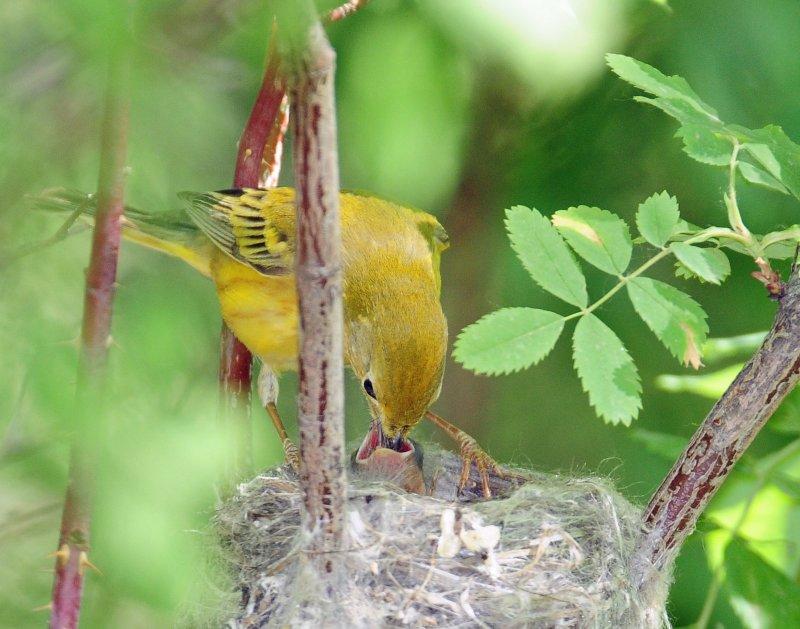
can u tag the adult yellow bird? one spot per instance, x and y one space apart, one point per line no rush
395 331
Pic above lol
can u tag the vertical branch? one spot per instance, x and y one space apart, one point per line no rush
727 431
258 163
73 544
318 270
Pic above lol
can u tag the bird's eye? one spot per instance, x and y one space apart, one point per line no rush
369 389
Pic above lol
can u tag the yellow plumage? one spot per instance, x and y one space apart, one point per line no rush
395 330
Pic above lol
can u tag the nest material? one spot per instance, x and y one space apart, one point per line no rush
551 551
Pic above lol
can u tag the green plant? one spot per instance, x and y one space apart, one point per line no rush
511 339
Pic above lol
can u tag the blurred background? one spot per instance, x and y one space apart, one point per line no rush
462 109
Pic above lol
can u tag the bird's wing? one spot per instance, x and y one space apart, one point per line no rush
255 227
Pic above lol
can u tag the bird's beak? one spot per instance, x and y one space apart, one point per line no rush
375 460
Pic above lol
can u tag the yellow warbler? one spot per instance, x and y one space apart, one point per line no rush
395 331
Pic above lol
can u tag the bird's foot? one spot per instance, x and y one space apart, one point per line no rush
471 453
291 455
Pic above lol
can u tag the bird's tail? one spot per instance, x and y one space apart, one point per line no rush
170 232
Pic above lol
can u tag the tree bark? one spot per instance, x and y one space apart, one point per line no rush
318 271
727 431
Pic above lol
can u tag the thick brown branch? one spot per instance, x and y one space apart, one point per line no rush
727 431
318 269
73 543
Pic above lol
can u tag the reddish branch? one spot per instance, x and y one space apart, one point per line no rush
258 163
727 431
345 9
73 543
310 64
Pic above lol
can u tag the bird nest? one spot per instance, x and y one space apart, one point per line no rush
549 551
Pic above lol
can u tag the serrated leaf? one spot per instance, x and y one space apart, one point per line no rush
781 157
598 236
545 255
607 371
657 218
761 595
759 177
649 79
508 340
705 145
710 264
675 318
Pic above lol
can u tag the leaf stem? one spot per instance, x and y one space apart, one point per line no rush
702 236
734 215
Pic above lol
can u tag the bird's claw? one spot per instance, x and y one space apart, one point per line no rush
291 455
471 453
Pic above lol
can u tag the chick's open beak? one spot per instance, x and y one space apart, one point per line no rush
396 460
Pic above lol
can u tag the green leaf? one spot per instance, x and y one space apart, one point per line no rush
675 318
599 237
742 346
508 340
607 371
705 144
775 151
657 218
545 255
761 595
710 264
759 177
649 79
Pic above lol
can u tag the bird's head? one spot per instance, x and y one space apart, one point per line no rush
403 468
397 350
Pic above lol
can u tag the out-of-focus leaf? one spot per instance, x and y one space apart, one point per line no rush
717 349
709 264
657 218
607 371
710 385
675 318
545 255
508 340
760 595
660 443
759 177
787 417
598 236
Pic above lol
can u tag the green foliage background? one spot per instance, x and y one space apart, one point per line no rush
443 105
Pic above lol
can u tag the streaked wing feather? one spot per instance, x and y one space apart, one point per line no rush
238 222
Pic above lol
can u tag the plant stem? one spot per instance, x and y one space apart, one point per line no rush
258 162
310 64
73 544
703 236
727 431
734 216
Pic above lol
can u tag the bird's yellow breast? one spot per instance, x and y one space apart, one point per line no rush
261 310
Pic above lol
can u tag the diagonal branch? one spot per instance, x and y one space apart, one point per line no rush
727 431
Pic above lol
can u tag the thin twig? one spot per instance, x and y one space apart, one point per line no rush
346 9
73 544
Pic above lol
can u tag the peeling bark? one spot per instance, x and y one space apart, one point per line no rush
729 428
